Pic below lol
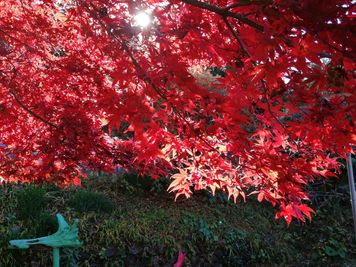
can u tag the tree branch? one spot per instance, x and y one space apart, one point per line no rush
23 106
237 36
247 3
224 13
269 106
32 113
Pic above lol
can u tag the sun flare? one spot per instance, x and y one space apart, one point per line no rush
142 19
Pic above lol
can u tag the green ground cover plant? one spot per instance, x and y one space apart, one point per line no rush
126 223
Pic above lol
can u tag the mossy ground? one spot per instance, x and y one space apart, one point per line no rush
134 222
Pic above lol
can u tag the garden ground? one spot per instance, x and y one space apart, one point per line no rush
131 221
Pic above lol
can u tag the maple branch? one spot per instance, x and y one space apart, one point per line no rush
32 113
247 3
272 114
223 12
237 36
18 40
348 54
23 106
269 106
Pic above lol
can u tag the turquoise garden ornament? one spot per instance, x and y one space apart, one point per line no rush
65 237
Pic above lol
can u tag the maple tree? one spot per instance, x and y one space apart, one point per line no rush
248 97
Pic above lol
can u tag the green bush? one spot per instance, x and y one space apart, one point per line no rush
84 201
46 224
31 202
138 182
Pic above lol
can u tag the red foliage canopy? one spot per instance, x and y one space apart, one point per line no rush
279 114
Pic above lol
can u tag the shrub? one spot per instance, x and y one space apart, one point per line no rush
84 201
138 182
31 201
46 224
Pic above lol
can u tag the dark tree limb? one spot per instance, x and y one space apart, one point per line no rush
23 106
32 113
237 36
247 3
224 13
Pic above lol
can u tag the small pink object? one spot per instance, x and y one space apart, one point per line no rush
180 260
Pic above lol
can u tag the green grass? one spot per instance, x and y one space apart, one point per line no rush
143 226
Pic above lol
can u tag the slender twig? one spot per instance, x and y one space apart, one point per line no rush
28 110
269 106
17 40
22 105
224 13
237 36
348 54
246 3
